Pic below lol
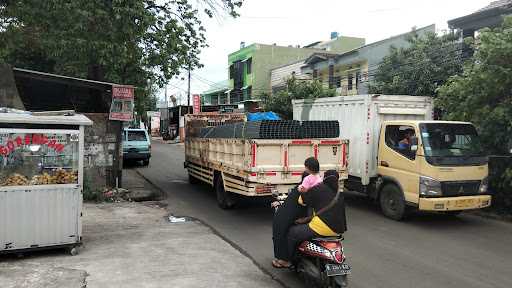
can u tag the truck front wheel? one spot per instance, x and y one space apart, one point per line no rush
224 198
392 202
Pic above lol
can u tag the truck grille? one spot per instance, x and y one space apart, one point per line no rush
460 188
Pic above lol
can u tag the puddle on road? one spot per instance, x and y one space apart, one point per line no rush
179 219
178 181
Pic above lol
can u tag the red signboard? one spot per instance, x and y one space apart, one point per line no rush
122 92
121 108
197 104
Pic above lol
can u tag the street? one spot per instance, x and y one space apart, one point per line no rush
425 251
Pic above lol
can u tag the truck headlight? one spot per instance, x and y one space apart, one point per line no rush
484 185
430 187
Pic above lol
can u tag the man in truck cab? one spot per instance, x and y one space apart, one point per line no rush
405 143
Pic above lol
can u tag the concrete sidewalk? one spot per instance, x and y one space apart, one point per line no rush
131 244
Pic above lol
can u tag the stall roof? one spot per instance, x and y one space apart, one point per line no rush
20 118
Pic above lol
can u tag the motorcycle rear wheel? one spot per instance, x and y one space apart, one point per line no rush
340 281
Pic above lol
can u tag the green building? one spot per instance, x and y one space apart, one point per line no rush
250 67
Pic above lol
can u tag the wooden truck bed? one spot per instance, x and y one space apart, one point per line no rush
257 167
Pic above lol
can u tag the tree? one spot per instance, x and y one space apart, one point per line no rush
138 42
281 102
482 94
419 69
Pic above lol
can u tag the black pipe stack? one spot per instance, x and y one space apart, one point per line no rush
271 129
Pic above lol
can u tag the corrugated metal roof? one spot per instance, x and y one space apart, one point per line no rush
496 4
21 118
217 87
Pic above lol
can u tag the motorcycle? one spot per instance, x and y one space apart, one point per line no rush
320 262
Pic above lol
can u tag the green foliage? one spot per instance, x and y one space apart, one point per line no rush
137 42
419 69
500 183
281 102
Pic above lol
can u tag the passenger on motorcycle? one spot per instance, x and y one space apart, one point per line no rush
330 222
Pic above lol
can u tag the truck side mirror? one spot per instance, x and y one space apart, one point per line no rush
414 143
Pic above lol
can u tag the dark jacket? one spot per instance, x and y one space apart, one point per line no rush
320 196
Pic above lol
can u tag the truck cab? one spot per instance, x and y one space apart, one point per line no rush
430 166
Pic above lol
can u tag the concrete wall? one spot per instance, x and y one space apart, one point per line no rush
103 152
341 44
280 75
9 96
267 57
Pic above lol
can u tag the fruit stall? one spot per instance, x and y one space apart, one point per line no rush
41 180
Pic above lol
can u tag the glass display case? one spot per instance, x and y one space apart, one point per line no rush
41 178
38 157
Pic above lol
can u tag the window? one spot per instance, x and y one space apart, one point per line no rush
337 81
350 77
34 158
249 66
401 139
137 136
231 71
452 144
331 76
358 79
249 92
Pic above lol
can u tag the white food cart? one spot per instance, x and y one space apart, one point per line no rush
41 178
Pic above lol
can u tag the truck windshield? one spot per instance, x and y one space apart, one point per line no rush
452 144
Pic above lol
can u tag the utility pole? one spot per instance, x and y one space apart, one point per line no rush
188 98
166 99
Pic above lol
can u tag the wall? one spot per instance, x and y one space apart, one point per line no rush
267 57
279 76
8 92
341 44
103 152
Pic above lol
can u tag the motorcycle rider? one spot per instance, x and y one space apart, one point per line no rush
331 222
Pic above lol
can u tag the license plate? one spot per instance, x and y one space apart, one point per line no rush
464 203
337 269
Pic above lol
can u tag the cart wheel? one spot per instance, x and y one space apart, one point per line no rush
73 251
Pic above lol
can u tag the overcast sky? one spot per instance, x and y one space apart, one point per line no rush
300 22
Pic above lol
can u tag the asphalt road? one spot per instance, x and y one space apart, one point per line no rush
425 251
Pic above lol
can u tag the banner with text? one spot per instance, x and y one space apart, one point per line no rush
121 108
197 104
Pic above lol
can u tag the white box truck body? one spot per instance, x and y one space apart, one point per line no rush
360 120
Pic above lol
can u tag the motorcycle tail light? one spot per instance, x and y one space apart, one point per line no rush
338 256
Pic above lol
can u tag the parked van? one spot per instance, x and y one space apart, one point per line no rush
136 145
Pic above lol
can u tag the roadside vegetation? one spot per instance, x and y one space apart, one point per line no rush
281 102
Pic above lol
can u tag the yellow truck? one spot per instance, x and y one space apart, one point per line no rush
402 158
253 167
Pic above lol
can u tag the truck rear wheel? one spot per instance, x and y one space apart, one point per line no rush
224 198
392 202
